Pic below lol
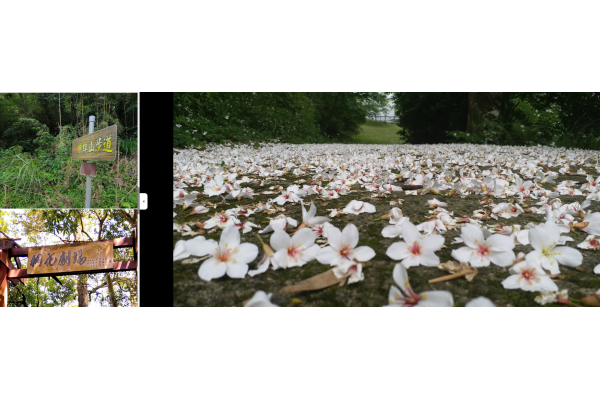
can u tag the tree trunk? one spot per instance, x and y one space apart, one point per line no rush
482 105
82 289
82 292
111 291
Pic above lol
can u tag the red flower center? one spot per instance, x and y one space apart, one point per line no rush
483 250
346 251
223 256
294 253
415 249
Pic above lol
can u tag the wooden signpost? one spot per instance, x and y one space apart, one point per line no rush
67 258
100 145
63 259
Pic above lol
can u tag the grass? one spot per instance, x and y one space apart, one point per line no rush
373 132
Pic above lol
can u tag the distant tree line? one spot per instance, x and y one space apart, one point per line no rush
253 117
554 119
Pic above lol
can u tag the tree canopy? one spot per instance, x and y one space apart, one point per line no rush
253 117
559 119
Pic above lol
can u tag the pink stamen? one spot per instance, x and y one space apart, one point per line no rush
415 249
346 251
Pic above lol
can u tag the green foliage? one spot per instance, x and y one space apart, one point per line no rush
23 132
376 104
252 117
339 115
242 117
22 115
49 178
559 119
23 171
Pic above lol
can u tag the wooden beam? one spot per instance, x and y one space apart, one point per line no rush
117 243
10 266
120 266
3 285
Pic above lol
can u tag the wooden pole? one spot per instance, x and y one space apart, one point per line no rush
3 284
4 257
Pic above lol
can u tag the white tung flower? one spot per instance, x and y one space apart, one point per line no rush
357 207
416 250
544 238
406 297
228 256
528 277
342 246
294 251
479 252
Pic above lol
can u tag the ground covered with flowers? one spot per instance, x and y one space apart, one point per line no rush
522 224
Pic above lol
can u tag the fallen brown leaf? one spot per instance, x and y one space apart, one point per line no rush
317 282
456 271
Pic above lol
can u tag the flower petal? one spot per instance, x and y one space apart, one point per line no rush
246 253
480 302
334 237
230 237
550 264
512 282
567 256
281 257
310 253
350 235
237 269
201 248
400 275
304 237
280 240
500 243
502 258
317 220
395 296
211 269
436 298
429 259
260 299
391 231
262 266
179 253
471 235
410 233
432 242
462 254
328 255
363 253
398 251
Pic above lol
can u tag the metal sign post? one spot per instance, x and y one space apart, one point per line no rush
88 179
96 146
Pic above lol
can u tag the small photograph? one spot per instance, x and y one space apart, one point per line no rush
68 150
68 258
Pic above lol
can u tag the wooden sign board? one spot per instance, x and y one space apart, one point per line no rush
100 145
70 258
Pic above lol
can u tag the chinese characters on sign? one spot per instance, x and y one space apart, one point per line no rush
67 258
100 145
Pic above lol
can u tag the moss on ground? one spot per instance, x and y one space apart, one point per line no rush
190 290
